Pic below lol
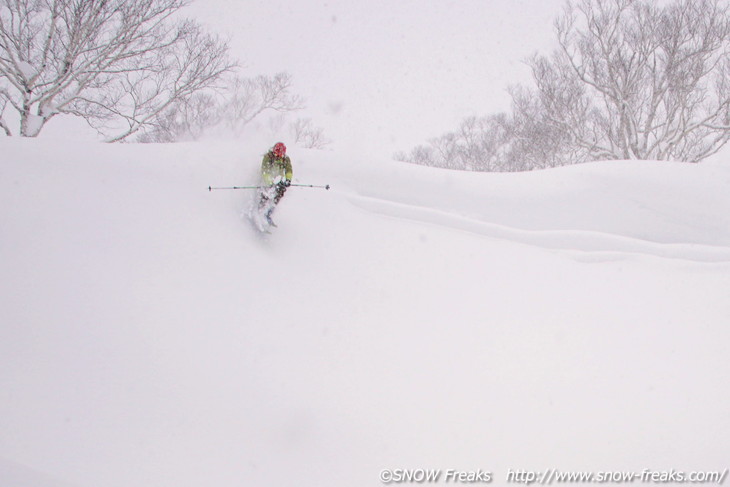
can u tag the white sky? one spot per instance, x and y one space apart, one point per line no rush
388 74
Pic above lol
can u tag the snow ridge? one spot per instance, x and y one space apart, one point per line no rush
583 241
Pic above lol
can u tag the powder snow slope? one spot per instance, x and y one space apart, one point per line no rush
410 317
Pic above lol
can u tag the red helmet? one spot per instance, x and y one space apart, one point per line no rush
279 149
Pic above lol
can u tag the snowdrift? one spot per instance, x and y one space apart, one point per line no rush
410 317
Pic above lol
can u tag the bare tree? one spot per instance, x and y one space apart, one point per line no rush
116 63
424 155
307 135
536 142
252 96
184 120
479 144
633 80
230 107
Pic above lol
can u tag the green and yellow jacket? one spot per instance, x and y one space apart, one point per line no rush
275 169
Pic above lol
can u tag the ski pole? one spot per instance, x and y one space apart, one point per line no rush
326 186
211 188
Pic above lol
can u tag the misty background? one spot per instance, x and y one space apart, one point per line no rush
385 76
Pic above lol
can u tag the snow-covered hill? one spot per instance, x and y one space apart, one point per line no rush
575 318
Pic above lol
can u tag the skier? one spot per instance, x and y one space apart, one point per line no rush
276 174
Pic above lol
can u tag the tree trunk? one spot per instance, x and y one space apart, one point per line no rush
30 124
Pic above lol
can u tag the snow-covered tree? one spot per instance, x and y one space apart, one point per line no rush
635 80
116 63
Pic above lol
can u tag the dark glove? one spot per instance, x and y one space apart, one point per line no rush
281 188
287 182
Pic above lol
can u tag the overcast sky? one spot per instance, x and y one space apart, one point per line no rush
388 74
